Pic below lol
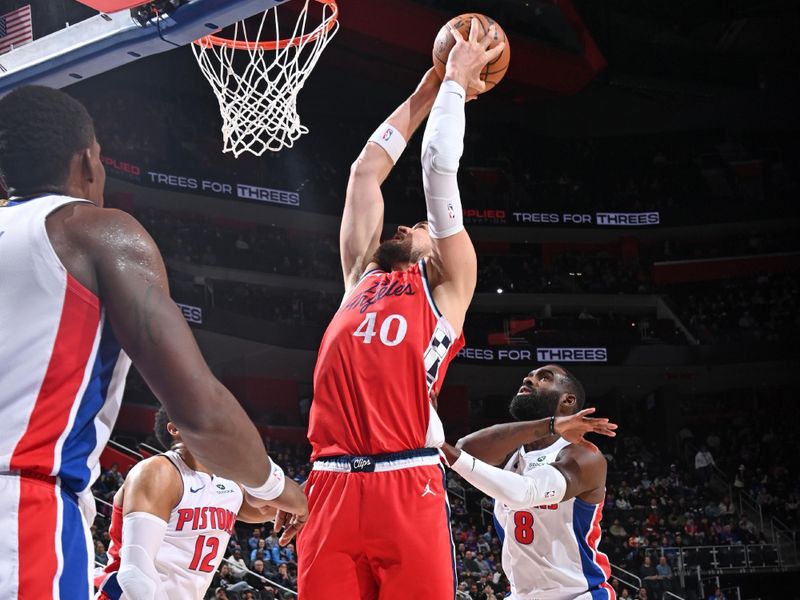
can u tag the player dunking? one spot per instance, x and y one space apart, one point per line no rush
82 288
549 493
171 523
378 510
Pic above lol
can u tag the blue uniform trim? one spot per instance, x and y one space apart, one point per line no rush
583 515
501 533
82 439
450 533
111 587
423 269
73 581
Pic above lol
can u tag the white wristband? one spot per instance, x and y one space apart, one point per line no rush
272 487
390 139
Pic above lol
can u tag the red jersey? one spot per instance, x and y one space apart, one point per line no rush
385 350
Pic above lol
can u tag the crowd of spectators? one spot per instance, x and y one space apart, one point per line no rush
758 309
732 310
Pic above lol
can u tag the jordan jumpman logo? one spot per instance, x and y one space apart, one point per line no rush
428 489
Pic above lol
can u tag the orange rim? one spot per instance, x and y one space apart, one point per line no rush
215 40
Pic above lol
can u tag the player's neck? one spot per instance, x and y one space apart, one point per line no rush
190 460
542 443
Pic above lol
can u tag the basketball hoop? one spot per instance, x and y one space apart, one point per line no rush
257 92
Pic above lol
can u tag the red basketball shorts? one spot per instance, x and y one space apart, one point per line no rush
379 529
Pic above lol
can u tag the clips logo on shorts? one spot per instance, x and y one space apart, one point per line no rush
362 464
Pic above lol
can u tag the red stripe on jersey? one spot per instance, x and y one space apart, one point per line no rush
114 546
37 519
593 538
77 329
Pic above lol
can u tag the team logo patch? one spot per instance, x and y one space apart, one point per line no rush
363 464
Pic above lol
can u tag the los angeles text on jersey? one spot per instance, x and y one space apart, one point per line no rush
376 292
205 517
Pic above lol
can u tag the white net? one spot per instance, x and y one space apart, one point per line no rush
257 83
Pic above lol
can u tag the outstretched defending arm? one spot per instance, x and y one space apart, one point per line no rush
576 472
453 263
494 444
362 220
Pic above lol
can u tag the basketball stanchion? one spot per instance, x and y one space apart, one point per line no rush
256 82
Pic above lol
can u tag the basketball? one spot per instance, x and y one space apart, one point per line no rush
494 71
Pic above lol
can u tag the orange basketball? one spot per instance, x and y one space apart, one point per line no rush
494 71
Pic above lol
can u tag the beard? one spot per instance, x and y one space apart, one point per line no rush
536 405
393 252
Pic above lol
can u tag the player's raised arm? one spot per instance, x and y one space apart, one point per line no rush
494 444
577 472
453 264
132 281
362 220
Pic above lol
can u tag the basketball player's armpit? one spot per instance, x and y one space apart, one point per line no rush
545 485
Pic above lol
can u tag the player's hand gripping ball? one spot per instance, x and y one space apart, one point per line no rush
494 71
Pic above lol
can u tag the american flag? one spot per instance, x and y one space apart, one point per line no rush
16 28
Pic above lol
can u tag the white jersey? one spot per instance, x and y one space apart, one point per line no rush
63 372
196 538
550 551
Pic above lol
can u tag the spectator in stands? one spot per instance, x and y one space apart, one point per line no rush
703 464
483 564
261 546
284 578
471 566
113 475
237 565
255 581
488 593
642 594
272 540
283 554
220 594
717 595
254 538
649 576
100 555
663 568
617 530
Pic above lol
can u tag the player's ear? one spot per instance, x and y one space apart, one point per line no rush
86 166
568 400
171 428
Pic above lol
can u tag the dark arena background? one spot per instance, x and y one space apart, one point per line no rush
631 188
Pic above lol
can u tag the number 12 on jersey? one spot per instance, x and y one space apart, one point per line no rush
387 334
206 565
